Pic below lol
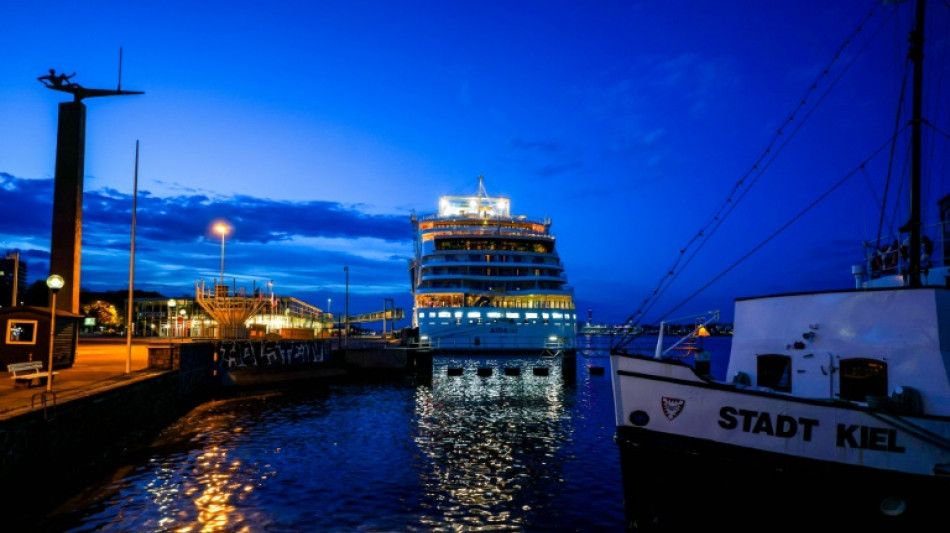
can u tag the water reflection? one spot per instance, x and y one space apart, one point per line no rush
528 450
193 480
489 427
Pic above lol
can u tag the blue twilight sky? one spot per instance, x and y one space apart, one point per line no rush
316 128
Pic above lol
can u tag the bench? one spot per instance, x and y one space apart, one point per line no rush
26 372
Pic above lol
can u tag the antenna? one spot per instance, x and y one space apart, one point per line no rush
119 88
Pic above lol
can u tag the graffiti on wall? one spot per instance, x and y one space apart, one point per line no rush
237 354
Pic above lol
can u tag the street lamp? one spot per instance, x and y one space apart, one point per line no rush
171 315
223 230
184 320
55 283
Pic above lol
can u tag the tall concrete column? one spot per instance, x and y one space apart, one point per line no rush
66 242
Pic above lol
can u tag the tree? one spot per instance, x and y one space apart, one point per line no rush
105 314
37 294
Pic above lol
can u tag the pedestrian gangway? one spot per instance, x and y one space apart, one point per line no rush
378 316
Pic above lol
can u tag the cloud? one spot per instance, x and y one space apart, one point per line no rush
303 245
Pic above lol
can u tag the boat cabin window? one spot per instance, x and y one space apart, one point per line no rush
774 371
860 378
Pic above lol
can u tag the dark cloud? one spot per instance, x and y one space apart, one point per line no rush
188 218
174 245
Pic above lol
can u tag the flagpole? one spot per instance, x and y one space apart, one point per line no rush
129 325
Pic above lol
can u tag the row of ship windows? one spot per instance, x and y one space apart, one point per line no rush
495 272
494 315
493 258
495 301
494 244
859 379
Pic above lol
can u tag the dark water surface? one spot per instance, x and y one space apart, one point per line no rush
529 448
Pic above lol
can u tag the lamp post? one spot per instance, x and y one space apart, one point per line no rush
223 230
388 314
55 283
171 315
184 321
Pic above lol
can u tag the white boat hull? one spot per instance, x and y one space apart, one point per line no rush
663 406
671 399
555 337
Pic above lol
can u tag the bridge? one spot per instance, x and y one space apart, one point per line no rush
378 316
388 314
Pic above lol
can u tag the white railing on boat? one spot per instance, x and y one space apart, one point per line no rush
522 344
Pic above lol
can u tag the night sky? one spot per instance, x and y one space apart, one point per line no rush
315 129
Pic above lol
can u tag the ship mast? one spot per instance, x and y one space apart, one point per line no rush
916 54
482 196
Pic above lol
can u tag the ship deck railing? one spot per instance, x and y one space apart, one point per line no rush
889 256
526 345
520 219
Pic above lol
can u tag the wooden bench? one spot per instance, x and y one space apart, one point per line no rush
22 373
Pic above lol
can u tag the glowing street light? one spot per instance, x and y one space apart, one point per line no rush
55 283
171 316
223 229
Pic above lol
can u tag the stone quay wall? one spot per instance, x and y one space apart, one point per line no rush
49 454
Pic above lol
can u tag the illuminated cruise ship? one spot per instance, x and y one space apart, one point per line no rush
484 280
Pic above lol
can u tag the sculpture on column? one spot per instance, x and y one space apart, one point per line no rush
61 82
66 242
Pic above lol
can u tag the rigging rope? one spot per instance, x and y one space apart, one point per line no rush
740 188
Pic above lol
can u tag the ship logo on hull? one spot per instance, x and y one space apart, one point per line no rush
672 407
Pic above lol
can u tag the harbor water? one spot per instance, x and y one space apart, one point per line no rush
488 444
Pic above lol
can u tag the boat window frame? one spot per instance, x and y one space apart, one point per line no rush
774 371
857 388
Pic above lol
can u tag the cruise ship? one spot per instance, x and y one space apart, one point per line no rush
484 280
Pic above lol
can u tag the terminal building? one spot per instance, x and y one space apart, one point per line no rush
219 313
184 317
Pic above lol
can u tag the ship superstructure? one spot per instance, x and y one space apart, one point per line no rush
486 280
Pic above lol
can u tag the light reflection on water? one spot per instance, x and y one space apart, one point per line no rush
487 437
502 452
